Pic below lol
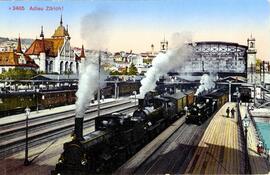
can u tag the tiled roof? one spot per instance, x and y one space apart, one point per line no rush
56 77
8 58
52 45
60 32
11 59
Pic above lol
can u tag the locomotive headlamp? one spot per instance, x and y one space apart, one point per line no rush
83 161
61 159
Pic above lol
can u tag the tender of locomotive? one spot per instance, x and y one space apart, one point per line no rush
205 106
118 136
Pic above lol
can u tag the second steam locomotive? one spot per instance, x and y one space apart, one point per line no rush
205 106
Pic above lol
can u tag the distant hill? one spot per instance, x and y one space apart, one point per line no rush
2 39
12 42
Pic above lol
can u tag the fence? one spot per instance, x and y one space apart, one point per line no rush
266 151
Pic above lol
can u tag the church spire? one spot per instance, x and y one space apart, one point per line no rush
82 53
61 21
41 33
19 47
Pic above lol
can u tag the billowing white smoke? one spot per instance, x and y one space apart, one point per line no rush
94 29
165 62
94 32
207 83
88 85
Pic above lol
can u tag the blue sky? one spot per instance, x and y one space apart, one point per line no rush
136 24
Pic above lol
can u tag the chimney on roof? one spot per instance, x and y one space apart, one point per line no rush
19 47
82 53
41 33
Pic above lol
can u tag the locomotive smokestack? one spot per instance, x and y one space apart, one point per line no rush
78 131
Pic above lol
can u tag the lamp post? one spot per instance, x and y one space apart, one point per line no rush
37 91
27 113
135 93
246 122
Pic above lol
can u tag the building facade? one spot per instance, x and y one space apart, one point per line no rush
54 55
222 58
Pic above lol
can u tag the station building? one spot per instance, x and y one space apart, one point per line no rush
222 58
54 55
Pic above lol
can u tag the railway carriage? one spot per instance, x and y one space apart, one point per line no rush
16 102
179 101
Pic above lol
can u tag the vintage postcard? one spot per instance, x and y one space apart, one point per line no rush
134 87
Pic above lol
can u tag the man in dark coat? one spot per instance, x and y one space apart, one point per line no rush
233 111
228 112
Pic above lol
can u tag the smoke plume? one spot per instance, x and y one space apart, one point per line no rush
94 29
94 33
88 84
207 83
165 62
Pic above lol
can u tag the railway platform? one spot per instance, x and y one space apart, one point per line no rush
222 150
258 162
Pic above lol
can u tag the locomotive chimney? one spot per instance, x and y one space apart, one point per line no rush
78 131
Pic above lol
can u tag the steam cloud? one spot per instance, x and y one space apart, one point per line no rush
163 63
88 85
207 83
94 29
94 32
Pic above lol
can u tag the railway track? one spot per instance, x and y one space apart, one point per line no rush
43 132
174 154
8 133
21 123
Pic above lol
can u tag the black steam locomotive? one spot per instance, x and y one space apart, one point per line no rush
205 106
118 136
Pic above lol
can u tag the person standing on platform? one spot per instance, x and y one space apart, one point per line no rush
233 111
228 112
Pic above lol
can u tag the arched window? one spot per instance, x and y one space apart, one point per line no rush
77 67
61 67
51 67
46 66
66 66
71 67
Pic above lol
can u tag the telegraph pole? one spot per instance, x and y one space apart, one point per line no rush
98 95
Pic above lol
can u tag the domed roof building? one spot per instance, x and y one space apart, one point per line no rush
54 55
